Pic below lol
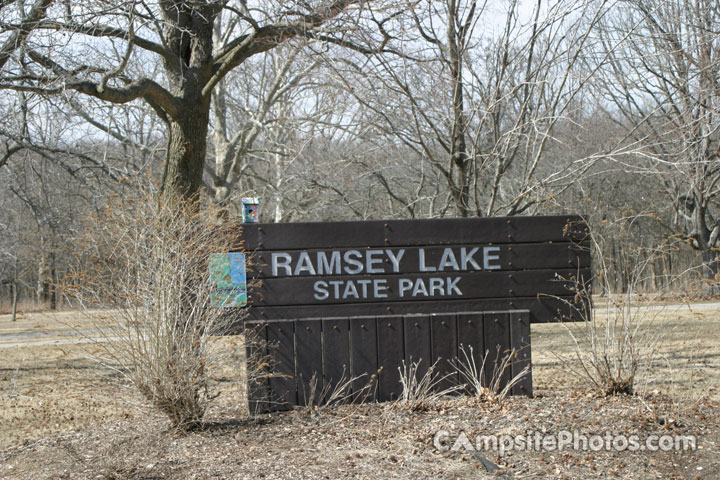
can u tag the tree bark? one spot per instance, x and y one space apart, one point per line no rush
187 145
710 272
14 300
458 150
52 284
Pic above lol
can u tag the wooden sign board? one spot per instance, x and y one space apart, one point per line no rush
357 299
400 267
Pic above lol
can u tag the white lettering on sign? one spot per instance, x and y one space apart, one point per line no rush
379 261
385 261
421 261
466 258
328 267
350 289
395 259
352 257
372 258
429 287
378 288
304 265
487 258
448 261
281 260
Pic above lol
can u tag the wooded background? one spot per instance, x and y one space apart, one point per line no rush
355 110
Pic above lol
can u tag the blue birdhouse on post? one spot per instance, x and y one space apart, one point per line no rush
250 209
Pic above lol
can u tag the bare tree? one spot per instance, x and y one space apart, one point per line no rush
257 112
663 87
54 167
26 20
477 103
95 47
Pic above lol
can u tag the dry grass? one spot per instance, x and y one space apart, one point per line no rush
56 389
685 361
473 372
420 386
50 383
63 416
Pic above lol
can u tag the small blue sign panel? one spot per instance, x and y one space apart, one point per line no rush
227 272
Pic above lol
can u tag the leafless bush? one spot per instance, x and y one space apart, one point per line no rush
494 389
421 391
318 397
147 264
613 347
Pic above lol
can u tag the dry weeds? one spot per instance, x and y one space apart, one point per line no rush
62 416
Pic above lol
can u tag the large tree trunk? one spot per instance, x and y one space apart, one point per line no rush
458 150
189 33
710 272
187 147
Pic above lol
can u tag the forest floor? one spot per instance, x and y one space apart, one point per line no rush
62 415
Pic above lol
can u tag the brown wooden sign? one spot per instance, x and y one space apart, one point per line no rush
400 267
356 299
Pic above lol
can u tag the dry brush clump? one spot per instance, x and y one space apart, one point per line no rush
347 389
495 386
421 390
613 348
144 260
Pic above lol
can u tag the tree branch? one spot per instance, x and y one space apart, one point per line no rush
265 38
23 30
110 32
143 88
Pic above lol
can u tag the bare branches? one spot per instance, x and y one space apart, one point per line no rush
140 89
21 32
264 38
663 85
10 150
104 31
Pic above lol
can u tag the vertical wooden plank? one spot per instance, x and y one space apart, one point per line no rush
417 342
308 361
520 341
497 333
390 356
281 341
335 352
470 335
363 357
444 348
256 353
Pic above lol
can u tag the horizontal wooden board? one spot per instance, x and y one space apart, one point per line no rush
542 309
411 287
278 236
506 257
